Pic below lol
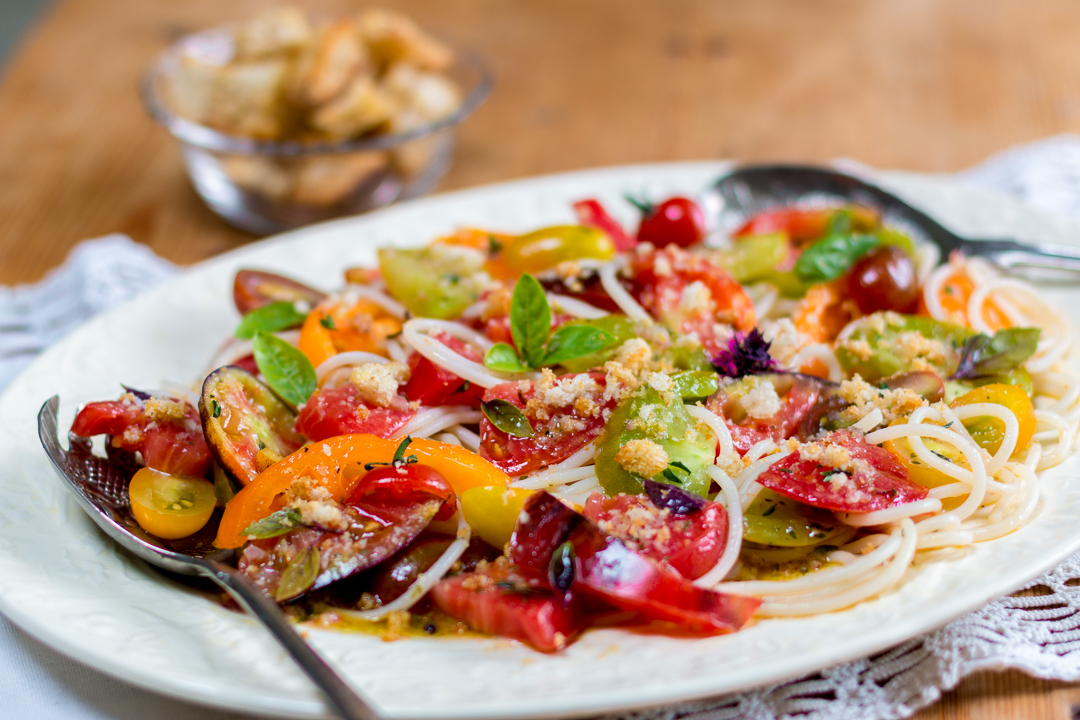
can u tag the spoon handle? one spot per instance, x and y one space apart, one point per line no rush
1009 253
343 698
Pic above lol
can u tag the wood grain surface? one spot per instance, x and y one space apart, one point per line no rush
928 85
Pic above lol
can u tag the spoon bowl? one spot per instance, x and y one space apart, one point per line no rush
752 189
100 487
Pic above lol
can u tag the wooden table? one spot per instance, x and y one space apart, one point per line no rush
929 85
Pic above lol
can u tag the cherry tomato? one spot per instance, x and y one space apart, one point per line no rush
689 294
989 432
547 247
883 484
676 221
688 544
340 411
410 482
254 288
551 441
884 279
170 506
175 446
492 512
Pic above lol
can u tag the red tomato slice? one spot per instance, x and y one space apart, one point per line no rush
690 295
430 384
749 431
609 570
497 602
881 483
586 287
688 544
340 411
800 225
592 214
543 524
559 431
176 447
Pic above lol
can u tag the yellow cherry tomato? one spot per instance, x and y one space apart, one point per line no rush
547 247
492 512
989 432
170 506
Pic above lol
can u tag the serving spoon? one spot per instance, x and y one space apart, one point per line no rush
100 487
749 190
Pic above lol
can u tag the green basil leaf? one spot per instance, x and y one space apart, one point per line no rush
269 318
275 524
574 341
984 356
506 416
299 574
503 358
288 372
530 319
829 258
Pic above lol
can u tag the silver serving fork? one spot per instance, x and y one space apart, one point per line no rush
101 490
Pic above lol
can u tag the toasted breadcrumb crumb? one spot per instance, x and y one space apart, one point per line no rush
164 410
642 457
377 383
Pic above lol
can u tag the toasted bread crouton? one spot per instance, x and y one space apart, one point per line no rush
259 174
329 180
394 38
429 95
362 107
191 89
276 31
326 66
247 99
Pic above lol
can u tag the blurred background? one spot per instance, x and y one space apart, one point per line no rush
925 85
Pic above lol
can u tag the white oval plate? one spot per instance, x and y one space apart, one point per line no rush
65 583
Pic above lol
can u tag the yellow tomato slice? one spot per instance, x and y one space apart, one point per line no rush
337 464
989 432
492 512
170 506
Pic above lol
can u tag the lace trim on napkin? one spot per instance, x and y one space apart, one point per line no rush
1039 634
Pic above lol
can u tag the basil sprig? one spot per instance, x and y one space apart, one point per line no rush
506 416
537 346
985 356
275 524
288 372
269 318
830 257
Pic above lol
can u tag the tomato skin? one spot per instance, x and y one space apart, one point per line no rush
692 544
886 485
337 411
592 214
884 279
407 482
610 571
492 512
676 221
658 281
430 384
174 447
800 225
543 525
747 432
518 455
252 289
170 506
531 616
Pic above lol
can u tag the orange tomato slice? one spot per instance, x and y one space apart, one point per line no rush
337 464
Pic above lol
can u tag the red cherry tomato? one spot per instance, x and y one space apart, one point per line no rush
883 483
431 384
406 483
884 279
340 411
176 447
676 221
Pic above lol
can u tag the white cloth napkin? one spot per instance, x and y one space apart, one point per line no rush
1040 635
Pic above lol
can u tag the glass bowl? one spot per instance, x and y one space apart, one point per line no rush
265 187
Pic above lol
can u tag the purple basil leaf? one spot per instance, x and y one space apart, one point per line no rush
983 356
677 500
137 393
745 355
